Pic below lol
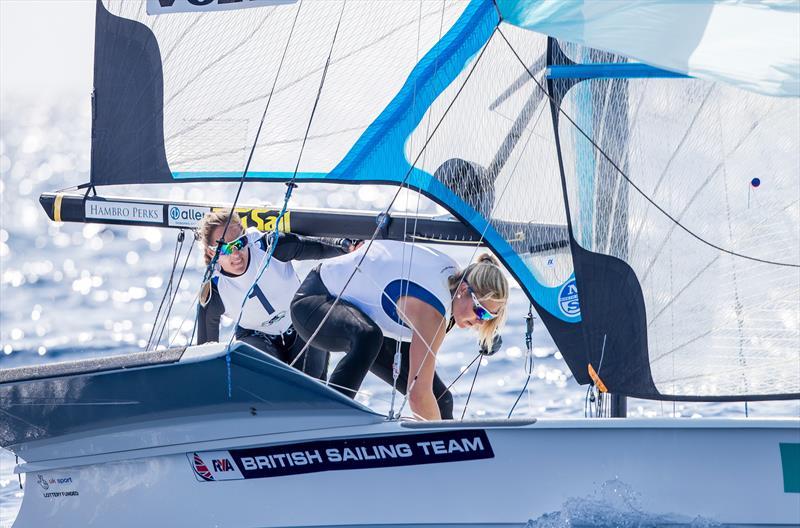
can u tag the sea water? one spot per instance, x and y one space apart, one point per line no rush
71 291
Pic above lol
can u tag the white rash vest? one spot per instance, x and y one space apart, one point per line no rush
267 307
390 270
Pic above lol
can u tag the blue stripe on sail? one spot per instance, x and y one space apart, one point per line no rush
405 288
611 70
384 139
547 297
378 155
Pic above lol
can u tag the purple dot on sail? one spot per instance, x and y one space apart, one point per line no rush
755 182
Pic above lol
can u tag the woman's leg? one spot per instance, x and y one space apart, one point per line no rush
382 367
347 329
314 361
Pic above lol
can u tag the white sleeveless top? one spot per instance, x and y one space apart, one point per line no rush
267 308
384 277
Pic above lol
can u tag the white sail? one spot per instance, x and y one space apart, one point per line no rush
750 44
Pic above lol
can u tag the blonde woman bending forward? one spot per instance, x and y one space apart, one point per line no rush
385 301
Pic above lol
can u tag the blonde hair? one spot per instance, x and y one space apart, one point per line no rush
205 233
488 283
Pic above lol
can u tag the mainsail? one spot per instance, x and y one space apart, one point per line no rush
678 280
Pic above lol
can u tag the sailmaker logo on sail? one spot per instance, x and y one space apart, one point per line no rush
568 299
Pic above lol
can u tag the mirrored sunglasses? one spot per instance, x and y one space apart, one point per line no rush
480 310
229 247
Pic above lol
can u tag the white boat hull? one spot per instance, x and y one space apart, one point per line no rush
674 471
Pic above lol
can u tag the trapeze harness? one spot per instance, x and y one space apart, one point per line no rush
265 322
365 323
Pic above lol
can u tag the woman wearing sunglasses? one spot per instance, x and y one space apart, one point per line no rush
402 292
265 322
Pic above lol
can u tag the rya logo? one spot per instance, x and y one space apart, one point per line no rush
222 465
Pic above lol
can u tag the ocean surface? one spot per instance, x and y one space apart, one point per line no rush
71 291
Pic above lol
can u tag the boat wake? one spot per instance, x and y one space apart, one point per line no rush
613 504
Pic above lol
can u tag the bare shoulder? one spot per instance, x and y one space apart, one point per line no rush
420 315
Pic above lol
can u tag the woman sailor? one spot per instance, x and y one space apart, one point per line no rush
264 321
385 299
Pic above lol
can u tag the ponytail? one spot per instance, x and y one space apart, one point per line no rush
489 284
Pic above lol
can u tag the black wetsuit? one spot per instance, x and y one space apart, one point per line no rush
288 345
350 330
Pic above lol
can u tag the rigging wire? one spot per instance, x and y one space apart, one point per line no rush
215 258
398 357
459 375
471 387
391 202
402 183
528 356
167 290
498 201
597 398
183 321
175 294
628 179
505 188
290 185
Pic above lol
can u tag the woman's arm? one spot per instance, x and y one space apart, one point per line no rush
208 317
294 247
429 330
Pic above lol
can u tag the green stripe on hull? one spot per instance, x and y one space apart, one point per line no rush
790 460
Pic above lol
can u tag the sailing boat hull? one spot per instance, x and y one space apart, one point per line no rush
298 454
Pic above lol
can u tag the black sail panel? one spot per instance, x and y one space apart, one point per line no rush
127 104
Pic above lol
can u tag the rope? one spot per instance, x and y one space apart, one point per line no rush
185 318
626 178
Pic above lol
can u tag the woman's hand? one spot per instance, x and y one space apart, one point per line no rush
349 244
